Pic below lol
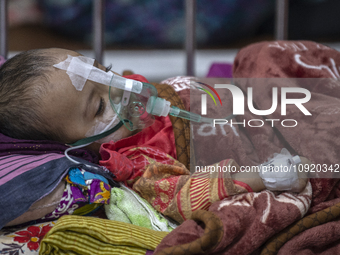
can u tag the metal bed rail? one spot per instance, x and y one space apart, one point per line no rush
3 28
281 20
281 29
98 29
190 38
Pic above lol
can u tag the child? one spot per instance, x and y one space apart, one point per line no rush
39 102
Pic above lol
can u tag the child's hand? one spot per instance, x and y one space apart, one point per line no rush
256 182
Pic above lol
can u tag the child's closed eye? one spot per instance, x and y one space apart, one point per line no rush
101 107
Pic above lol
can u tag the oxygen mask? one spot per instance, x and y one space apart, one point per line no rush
134 103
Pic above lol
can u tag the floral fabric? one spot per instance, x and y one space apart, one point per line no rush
24 240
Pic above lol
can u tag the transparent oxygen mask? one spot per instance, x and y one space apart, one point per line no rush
134 109
137 105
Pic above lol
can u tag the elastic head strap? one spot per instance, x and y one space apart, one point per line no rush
99 136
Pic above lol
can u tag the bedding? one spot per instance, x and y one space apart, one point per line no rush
249 220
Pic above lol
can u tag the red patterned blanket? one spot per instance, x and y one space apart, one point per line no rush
269 222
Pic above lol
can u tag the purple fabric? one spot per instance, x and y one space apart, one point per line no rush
220 70
10 146
148 252
98 191
75 196
2 60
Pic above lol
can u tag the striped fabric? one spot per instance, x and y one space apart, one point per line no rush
90 236
15 165
200 191
208 187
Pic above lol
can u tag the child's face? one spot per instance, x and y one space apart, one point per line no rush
74 112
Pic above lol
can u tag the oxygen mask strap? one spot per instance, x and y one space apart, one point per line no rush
94 138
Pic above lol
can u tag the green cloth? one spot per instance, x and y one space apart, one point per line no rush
79 235
127 206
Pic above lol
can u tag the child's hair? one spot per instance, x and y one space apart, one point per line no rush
23 82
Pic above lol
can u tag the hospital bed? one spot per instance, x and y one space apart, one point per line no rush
98 45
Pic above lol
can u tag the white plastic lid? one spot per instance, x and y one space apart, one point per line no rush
161 107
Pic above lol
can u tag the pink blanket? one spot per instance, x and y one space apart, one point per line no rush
250 220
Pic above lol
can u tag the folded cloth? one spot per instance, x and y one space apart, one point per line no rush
25 179
127 206
88 235
84 194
